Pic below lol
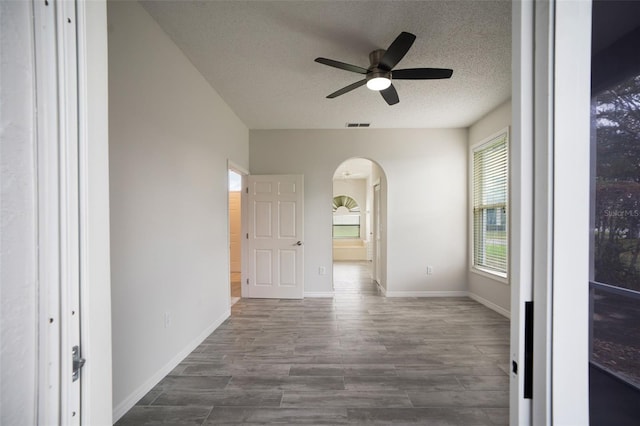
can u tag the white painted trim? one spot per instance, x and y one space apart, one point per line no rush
491 275
427 293
561 211
543 84
48 214
433 294
232 165
502 277
95 279
499 309
56 65
521 197
244 217
142 390
69 225
327 294
475 146
571 209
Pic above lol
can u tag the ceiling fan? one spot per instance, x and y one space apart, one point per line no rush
380 73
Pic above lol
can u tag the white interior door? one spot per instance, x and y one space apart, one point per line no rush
276 243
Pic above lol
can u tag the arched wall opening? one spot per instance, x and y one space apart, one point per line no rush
360 215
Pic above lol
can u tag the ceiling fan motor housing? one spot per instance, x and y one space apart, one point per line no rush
374 71
375 57
378 73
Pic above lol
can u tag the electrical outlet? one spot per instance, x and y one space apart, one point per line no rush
168 319
429 270
322 270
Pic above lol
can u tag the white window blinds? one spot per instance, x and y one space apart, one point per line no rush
490 205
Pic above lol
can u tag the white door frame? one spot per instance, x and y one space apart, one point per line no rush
231 165
571 206
377 188
521 200
56 56
70 51
550 164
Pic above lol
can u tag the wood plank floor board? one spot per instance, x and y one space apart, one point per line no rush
249 416
357 358
270 398
380 383
346 399
420 416
466 398
165 415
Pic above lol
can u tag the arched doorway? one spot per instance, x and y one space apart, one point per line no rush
359 216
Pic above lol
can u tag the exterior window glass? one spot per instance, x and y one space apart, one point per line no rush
614 288
490 205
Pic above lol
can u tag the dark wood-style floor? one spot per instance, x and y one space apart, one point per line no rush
358 358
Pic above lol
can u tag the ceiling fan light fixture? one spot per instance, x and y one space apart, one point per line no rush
378 83
378 76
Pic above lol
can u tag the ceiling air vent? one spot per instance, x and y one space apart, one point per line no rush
358 124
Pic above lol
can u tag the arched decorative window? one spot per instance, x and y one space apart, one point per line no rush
345 201
346 217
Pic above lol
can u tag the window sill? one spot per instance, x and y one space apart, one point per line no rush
496 276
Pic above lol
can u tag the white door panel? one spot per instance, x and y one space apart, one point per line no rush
276 252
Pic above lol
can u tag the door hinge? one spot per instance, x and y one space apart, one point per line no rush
247 281
78 362
247 189
247 235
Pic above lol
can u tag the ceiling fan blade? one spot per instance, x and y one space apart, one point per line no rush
347 89
421 73
397 50
341 65
390 95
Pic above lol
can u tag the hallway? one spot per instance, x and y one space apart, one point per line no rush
358 358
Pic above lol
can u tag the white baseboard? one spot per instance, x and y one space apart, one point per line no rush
499 309
481 300
318 294
426 293
128 403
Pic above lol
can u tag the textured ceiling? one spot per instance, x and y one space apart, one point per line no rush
354 168
259 56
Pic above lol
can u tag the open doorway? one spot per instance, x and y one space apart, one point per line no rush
235 235
358 239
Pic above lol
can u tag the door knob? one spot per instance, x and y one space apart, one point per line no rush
299 243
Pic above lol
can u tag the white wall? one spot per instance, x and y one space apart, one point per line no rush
170 138
426 176
18 309
492 292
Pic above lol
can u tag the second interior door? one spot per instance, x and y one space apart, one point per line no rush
276 243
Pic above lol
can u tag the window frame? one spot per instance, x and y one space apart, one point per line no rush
355 214
493 274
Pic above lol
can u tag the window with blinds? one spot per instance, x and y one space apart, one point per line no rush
490 205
